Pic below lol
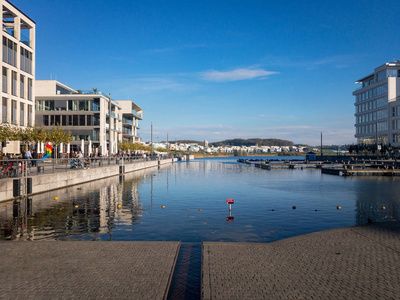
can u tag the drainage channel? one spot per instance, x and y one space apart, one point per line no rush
186 280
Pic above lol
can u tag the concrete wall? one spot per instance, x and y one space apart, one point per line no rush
47 182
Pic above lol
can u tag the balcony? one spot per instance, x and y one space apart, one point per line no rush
137 114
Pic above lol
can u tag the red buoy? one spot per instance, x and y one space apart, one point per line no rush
230 201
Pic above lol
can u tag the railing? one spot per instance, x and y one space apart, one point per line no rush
14 168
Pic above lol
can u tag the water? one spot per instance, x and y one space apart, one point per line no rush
186 202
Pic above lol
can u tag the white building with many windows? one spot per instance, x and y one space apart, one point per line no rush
93 118
17 60
131 114
377 109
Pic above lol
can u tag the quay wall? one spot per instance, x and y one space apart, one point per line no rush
47 182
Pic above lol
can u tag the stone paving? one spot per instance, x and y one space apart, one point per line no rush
86 269
352 263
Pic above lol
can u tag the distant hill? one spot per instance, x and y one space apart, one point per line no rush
253 142
186 142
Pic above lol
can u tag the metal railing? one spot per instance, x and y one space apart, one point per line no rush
16 168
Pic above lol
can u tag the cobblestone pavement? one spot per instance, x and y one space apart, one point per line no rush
86 270
352 263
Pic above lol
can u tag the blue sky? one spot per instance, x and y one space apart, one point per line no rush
221 69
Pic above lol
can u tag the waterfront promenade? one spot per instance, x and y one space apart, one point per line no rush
86 270
350 263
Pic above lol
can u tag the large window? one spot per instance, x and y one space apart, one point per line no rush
82 120
84 105
14 83
96 104
22 114
46 120
14 112
4 80
9 52
29 89
4 108
79 105
45 105
26 60
96 120
22 86
30 116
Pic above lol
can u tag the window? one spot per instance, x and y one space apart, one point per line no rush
26 60
64 120
9 52
29 89
57 120
14 83
52 121
83 105
96 104
5 81
73 105
22 86
22 114
14 112
46 120
89 120
96 120
75 120
4 110
82 120
60 105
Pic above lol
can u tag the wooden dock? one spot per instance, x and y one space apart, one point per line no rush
278 164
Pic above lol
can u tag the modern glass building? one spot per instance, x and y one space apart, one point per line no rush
377 109
17 60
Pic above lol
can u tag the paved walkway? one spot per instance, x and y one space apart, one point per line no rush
86 270
353 263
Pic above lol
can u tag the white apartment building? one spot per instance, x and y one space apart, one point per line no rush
93 118
377 106
131 114
17 60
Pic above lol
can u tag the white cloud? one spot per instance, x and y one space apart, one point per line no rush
236 74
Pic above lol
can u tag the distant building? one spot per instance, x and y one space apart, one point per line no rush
377 109
18 70
131 114
93 119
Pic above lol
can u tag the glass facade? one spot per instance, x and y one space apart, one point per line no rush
375 117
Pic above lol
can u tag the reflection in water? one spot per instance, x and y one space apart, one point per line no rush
380 202
187 202
94 208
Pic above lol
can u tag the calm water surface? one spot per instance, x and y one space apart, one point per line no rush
186 201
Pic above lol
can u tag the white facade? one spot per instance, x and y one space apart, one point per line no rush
93 119
17 60
377 106
131 114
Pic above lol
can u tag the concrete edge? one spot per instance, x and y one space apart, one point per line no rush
171 274
88 181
